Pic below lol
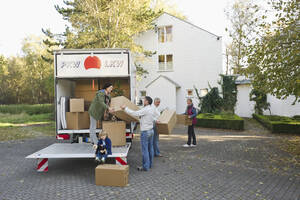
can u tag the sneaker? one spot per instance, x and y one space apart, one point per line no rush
141 169
193 145
97 160
103 160
186 145
159 155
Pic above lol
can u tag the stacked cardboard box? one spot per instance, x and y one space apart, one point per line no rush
116 132
77 118
184 120
112 175
116 104
167 121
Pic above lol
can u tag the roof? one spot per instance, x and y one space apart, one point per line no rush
167 78
190 24
242 80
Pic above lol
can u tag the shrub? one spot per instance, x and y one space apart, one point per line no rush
223 120
278 124
29 109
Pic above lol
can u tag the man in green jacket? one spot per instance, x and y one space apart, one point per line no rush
98 108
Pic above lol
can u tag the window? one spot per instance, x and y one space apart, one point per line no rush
190 92
165 62
165 34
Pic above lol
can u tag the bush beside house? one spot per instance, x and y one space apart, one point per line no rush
279 124
223 121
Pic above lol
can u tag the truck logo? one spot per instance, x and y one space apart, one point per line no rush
92 62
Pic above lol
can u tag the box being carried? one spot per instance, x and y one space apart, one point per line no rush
116 104
77 105
116 132
184 120
112 175
167 121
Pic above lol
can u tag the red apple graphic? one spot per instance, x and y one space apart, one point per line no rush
92 62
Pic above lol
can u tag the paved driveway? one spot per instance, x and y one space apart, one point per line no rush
224 165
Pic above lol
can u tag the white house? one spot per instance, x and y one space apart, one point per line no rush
186 56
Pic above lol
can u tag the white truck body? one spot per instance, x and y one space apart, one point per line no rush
69 66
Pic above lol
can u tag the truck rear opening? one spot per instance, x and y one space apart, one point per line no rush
80 74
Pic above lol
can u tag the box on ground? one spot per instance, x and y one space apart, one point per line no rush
77 105
78 120
167 121
184 120
116 104
112 175
116 132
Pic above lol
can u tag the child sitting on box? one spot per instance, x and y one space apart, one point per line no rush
103 147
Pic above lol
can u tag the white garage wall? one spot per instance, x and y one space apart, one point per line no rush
245 107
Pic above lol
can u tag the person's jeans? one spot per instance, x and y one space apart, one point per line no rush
155 141
191 134
147 148
93 125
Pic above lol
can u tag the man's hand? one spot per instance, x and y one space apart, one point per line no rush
95 146
189 116
157 121
123 107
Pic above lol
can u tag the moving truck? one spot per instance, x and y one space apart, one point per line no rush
80 74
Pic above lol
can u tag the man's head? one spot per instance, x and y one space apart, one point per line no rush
157 101
103 135
189 101
108 87
147 101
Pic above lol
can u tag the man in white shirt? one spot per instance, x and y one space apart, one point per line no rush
146 124
156 114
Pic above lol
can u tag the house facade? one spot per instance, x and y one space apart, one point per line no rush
186 56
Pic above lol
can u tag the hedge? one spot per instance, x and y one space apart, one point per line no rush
279 124
223 121
25 108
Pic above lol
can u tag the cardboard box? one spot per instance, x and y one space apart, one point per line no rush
116 132
78 120
116 104
112 175
167 121
86 85
87 95
77 105
184 120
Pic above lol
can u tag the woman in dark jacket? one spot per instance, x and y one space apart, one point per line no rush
98 109
192 113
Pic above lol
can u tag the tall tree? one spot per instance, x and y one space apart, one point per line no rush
274 58
105 23
243 22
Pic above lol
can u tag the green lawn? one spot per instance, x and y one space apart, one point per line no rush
22 126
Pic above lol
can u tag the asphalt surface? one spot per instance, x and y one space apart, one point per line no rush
224 165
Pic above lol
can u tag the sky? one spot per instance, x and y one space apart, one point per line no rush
21 18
